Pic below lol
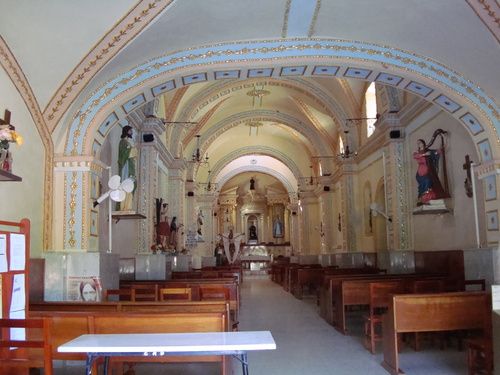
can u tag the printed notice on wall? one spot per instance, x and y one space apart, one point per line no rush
495 296
18 301
18 333
3 253
17 252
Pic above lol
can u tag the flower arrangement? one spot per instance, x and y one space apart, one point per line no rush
8 134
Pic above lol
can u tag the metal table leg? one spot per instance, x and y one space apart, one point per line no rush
244 363
88 364
106 365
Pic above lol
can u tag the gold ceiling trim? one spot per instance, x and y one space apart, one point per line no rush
487 10
201 123
16 75
119 36
316 123
312 26
284 29
174 104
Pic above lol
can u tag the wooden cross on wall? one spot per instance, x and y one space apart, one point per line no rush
6 118
468 179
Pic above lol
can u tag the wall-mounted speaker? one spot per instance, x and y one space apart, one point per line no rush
395 134
326 188
148 138
190 194
215 214
294 213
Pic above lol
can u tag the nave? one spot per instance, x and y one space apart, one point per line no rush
306 344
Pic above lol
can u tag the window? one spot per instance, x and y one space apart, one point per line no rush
341 145
371 108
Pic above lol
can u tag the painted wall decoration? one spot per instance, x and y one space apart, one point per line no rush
490 188
492 220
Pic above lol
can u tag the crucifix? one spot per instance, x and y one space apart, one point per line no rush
6 118
468 178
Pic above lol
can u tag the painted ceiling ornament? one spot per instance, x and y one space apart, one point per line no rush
252 125
258 93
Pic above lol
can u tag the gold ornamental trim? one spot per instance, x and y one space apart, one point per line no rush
120 35
16 75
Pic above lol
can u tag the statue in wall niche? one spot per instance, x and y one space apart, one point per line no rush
252 232
430 185
277 228
127 154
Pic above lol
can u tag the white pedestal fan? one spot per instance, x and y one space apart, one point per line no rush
117 193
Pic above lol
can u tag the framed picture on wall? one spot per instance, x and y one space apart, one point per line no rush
492 220
490 188
94 187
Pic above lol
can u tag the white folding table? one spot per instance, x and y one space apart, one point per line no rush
236 344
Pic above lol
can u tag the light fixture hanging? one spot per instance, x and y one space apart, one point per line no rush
347 153
197 158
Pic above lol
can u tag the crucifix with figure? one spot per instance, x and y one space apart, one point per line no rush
468 178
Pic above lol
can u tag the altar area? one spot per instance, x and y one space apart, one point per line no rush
256 258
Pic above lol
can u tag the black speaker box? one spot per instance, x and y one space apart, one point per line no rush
190 194
148 138
395 134
326 188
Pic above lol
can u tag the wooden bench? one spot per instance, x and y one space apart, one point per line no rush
45 309
353 290
431 313
306 277
194 285
325 294
66 326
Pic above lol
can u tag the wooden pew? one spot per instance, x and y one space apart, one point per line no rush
194 284
43 309
431 312
163 323
356 291
325 295
307 277
65 326
291 273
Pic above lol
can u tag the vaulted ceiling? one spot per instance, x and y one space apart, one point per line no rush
69 51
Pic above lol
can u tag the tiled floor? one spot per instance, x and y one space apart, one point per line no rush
306 344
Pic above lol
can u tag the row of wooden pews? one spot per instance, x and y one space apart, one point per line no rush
437 283
139 307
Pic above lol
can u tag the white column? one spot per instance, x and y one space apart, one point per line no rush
147 185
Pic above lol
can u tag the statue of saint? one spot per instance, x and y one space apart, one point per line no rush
427 176
164 227
127 153
252 232
277 228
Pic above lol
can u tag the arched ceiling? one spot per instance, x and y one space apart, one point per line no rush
68 64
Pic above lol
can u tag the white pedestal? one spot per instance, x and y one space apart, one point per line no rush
61 268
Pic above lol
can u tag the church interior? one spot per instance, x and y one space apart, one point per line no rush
288 150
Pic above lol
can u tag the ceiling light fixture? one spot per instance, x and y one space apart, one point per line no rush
197 158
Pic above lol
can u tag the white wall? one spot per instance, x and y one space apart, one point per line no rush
454 230
23 199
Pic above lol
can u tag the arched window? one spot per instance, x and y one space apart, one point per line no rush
371 108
